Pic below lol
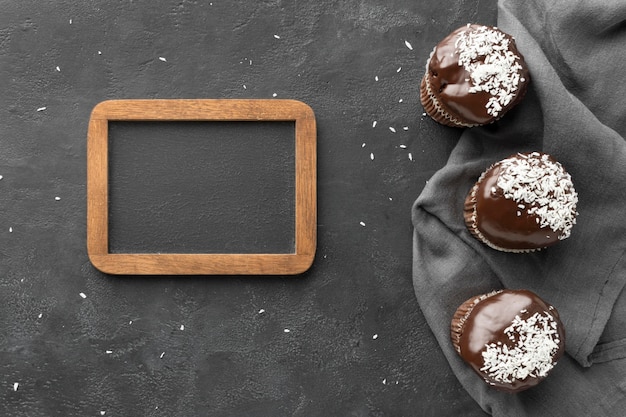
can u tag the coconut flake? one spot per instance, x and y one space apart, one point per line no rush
542 188
484 53
536 341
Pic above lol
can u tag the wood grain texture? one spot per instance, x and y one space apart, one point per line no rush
202 264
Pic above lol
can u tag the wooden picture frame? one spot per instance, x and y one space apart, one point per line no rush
234 110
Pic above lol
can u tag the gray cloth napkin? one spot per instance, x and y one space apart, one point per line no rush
575 110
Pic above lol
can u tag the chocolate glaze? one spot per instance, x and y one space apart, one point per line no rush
500 222
477 324
449 83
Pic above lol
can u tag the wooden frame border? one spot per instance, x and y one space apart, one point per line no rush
202 110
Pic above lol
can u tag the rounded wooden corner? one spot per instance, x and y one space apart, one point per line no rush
98 262
100 110
306 264
303 107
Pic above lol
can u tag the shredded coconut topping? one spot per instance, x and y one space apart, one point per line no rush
541 187
536 342
493 68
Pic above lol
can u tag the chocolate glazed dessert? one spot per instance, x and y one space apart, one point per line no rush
511 338
473 77
522 203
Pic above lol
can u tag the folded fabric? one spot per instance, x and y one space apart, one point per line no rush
574 110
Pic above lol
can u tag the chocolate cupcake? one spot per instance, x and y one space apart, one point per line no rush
473 77
511 338
523 203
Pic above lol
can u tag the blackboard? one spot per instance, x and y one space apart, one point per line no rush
201 187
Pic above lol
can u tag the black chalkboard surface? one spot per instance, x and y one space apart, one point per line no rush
201 187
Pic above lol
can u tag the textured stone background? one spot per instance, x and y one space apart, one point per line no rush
75 342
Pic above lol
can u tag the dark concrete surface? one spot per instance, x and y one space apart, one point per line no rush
347 338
